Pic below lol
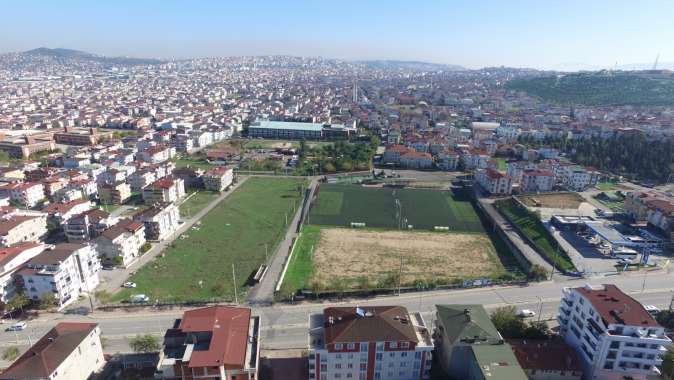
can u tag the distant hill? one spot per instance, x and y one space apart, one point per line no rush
60 53
641 88
411 65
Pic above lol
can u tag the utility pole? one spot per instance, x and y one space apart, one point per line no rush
540 308
236 297
400 274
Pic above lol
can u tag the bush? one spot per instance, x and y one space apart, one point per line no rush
10 353
511 326
538 273
48 301
145 247
144 343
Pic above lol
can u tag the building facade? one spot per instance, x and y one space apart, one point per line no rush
218 179
160 220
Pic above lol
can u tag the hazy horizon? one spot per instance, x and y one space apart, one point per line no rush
569 35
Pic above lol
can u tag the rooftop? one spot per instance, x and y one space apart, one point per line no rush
467 323
498 362
265 124
545 355
616 307
368 324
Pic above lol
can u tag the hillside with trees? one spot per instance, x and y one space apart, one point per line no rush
599 89
632 156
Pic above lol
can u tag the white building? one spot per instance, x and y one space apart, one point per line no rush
28 194
613 334
22 228
379 342
122 240
11 259
160 220
69 351
493 181
66 271
218 179
166 190
537 181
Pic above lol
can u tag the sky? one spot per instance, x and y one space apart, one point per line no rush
547 34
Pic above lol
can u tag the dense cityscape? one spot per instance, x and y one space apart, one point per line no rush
281 217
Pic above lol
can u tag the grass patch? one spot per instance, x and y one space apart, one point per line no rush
501 164
199 267
606 186
300 266
196 203
532 227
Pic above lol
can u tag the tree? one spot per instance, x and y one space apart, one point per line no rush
144 343
537 273
48 301
18 302
507 322
10 353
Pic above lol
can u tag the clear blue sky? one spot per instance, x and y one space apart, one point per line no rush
531 33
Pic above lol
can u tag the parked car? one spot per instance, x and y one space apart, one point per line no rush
652 310
139 298
129 285
78 310
107 267
18 326
526 313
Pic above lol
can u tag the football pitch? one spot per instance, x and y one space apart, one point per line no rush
393 208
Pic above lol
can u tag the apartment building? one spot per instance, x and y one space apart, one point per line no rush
416 160
218 179
448 160
393 153
494 182
166 190
28 194
141 178
60 213
114 194
469 347
69 351
88 225
369 343
547 359
537 181
16 229
155 154
217 342
65 271
121 243
160 220
11 259
87 187
615 337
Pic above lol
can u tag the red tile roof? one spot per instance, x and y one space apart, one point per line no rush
229 327
545 355
380 323
616 307
9 253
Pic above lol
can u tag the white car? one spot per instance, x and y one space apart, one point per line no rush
526 313
18 326
140 298
129 285
652 310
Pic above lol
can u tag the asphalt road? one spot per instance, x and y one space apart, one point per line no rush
285 326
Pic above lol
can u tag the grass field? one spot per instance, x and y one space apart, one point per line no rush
199 267
535 230
300 266
196 203
339 205
192 162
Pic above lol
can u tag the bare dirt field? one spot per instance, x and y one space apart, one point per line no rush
553 200
347 258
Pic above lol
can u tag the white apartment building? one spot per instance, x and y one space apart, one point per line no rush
613 334
537 181
66 271
28 194
16 229
160 220
88 225
166 190
369 343
493 181
141 178
69 351
122 240
11 259
218 179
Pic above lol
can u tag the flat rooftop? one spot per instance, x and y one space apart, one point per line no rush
309 127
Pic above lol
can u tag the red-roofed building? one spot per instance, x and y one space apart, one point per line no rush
393 153
121 243
416 160
166 190
69 351
217 342
494 182
543 359
537 181
11 259
17 229
371 343
218 179
28 194
613 334
62 212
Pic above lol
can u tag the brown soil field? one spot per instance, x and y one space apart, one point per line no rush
559 200
350 258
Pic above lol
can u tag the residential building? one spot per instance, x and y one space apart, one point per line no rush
217 342
371 343
16 229
537 181
494 182
69 351
121 243
28 194
66 271
114 194
191 176
166 190
544 359
60 213
218 179
416 160
72 136
448 160
160 220
141 178
393 153
11 259
88 225
615 337
468 346
155 154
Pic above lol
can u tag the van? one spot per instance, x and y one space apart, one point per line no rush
139 298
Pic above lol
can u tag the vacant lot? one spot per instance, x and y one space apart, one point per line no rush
199 266
339 205
553 200
197 202
347 258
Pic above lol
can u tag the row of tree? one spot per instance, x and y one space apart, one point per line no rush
342 156
634 156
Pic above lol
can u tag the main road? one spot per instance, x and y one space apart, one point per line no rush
285 326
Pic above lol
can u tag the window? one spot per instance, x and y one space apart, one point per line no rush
338 346
363 366
393 344
324 367
417 355
351 346
349 366
403 354
363 347
380 346
379 356
338 356
363 357
338 376
405 344
349 376
338 365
